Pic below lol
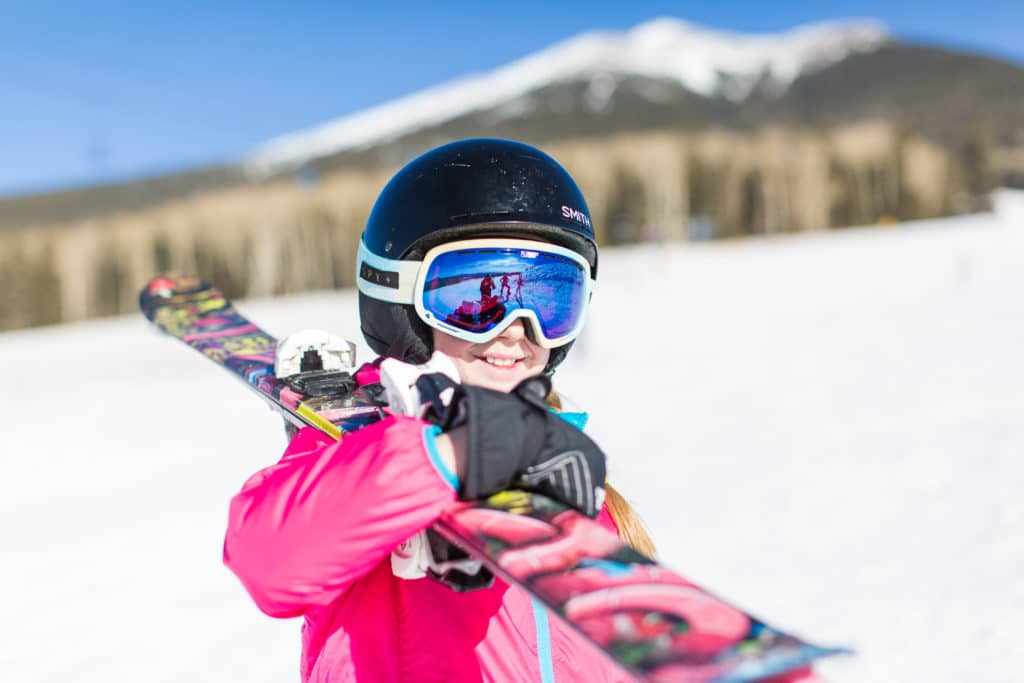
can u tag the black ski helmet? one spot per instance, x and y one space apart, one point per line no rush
462 190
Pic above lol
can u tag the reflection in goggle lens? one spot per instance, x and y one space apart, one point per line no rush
475 289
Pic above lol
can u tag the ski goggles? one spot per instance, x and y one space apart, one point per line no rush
475 289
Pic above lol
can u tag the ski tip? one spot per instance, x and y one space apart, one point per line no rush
174 288
167 285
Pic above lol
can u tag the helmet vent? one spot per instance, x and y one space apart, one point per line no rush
480 214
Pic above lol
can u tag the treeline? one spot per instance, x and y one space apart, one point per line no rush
286 236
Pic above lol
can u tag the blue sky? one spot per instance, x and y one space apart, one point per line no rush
99 90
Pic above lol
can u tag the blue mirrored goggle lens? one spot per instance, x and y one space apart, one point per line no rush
475 289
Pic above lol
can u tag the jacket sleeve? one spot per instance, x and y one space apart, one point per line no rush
303 530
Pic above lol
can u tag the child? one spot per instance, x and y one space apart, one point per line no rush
327 532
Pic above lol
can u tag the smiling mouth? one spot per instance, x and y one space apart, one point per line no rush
500 362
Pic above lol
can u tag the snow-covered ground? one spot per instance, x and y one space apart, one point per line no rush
827 429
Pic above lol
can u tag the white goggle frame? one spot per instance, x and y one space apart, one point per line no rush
403 282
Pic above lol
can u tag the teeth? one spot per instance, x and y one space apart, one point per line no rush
501 362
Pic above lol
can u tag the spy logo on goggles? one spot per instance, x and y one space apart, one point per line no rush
474 289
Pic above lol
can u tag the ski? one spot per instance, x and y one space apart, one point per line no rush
649 620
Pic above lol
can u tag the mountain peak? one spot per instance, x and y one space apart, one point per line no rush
705 61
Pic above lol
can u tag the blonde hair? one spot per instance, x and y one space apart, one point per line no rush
631 527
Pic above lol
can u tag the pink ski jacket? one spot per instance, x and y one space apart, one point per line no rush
311 536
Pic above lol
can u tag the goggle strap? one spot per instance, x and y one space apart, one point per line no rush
391 280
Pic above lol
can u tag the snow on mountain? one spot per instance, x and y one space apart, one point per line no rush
702 60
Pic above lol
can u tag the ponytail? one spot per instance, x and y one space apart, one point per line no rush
627 521
631 527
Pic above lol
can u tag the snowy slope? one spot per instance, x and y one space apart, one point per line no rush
827 429
702 60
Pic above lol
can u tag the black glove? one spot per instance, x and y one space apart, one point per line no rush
514 441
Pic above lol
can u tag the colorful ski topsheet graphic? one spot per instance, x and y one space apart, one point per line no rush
198 314
648 619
